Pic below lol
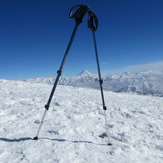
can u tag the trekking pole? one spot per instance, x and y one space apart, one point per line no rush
77 12
93 25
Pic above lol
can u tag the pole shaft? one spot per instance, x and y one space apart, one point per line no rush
41 123
98 67
101 82
57 79
62 64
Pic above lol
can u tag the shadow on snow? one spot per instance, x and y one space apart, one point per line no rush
59 140
15 140
28 138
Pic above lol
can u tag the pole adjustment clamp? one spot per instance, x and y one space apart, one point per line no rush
47 107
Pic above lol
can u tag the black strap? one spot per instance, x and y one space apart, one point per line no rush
77 12
92 21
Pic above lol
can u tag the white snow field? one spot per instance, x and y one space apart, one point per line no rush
70 133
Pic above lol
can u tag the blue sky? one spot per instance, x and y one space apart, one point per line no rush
34 35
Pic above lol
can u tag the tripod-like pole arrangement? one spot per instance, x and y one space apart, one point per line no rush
79 13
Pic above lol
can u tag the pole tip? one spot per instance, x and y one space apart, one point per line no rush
35 138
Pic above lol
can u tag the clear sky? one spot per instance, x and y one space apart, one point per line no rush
34 35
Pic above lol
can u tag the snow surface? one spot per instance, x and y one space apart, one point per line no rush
73 123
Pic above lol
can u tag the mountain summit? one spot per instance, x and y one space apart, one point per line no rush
85 73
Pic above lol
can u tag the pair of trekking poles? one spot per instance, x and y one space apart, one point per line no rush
78 12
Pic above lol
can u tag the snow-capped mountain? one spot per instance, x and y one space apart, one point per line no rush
143 82
85 73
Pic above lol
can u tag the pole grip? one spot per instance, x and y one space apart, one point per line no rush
77 12
92 21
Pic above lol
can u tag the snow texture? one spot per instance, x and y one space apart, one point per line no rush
73 123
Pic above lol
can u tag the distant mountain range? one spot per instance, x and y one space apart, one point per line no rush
150 82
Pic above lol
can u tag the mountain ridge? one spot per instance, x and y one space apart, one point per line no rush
149 82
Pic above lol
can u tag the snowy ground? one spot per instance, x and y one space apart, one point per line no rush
73 123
